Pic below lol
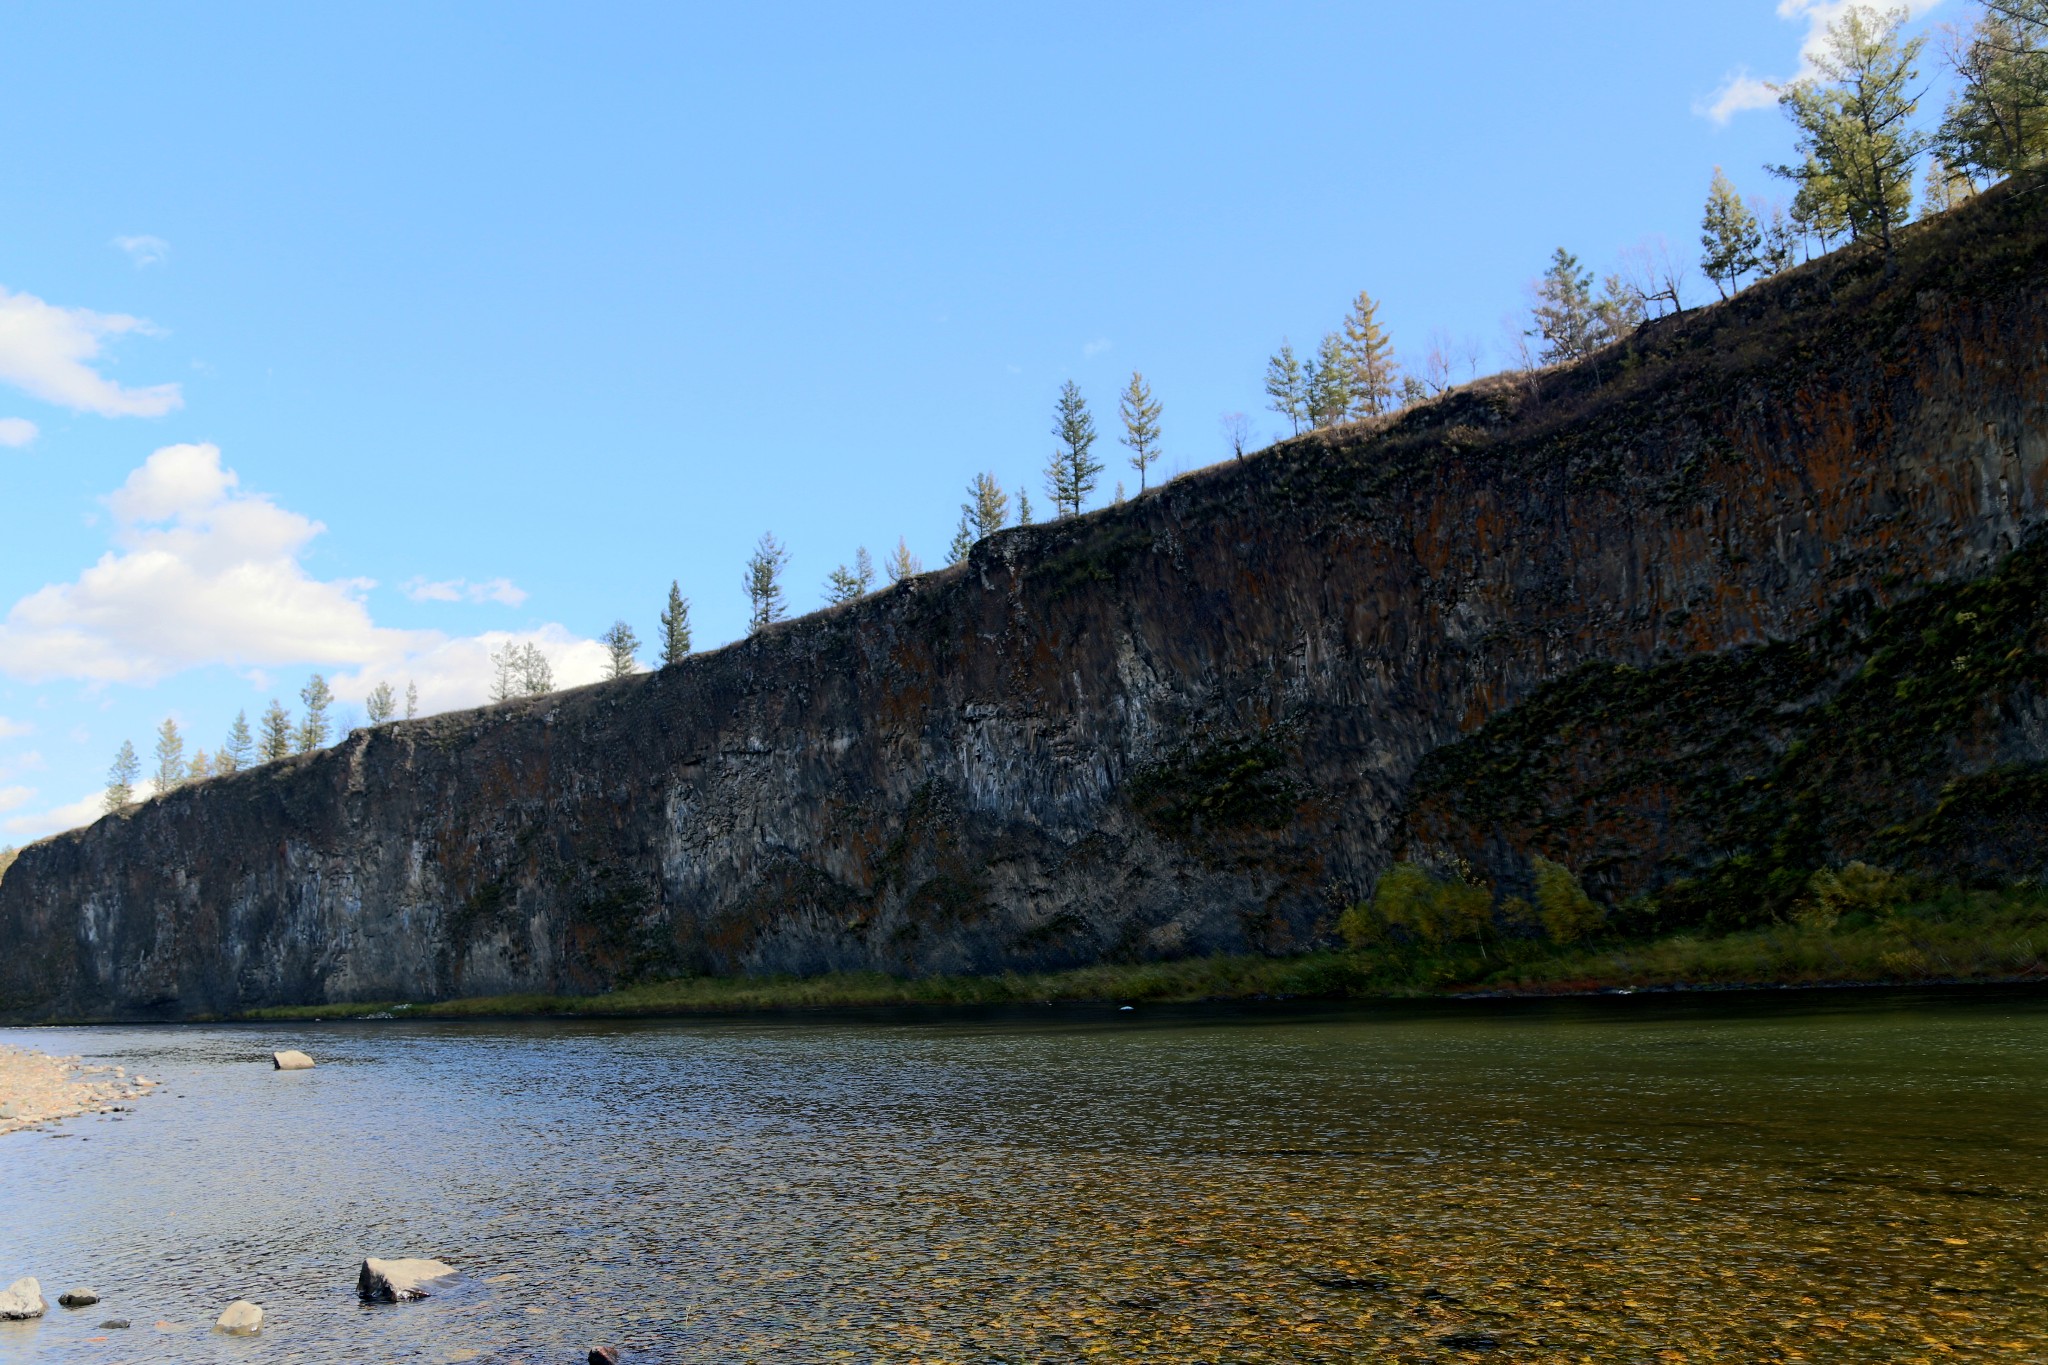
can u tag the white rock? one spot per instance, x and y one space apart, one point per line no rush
22 1299
392 1281
241 1319
290 1060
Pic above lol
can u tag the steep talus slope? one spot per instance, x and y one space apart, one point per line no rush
1188 723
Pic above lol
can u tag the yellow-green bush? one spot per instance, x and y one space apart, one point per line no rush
1567 912
1854 888
1409 903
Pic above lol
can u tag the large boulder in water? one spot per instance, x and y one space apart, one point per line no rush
291 1059
240 1319
395 1281
22 1299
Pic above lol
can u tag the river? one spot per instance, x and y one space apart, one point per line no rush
1834 1176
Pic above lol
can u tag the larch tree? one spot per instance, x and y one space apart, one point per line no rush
962 543
1564 316
1854 122
313 726
381 704
1237 432
412 699
276 740
536 674
122 777
1285 386
1326 396
170 757
762 582
1023 508
621 650
987 506
1374 373
902 564
1729 236
1996 122
238 751
1140 411
675 626
200 768
851 583
1780 250
1071 473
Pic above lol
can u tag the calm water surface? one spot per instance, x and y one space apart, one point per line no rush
1843 1178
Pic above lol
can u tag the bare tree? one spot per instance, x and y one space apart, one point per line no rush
1237 432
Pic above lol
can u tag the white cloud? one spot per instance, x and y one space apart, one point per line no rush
145 250
457 672
1095 347
48 352
36 824
1740 90
10 797
462 590
14 729
16 431
202 573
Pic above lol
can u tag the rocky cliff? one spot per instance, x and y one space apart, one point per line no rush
1190 723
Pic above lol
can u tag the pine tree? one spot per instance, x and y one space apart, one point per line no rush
381 705
122 777
1997 120
1944 188
763 583
675 627
1284 385
987 507
200 768
412 699
170 757
1565 320
1729 236
239 750
1071 472
1618 311
276 742
1856 125
313 727
902 564
1140 411
1327 395
622 650
1374 374
1023 508
963 541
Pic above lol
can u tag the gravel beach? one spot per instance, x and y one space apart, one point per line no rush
36 1088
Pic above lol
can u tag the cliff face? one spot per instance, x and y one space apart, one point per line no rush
1190 723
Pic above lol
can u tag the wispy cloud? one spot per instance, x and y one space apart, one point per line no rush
1742 90
145 250
48 352
502 590
14 729
1095 347
16 432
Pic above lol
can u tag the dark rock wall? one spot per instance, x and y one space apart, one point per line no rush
1185 724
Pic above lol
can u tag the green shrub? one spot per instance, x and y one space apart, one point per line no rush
1409 903
1855 888
1567 912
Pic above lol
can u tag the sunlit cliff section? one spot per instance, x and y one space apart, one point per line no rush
1190 723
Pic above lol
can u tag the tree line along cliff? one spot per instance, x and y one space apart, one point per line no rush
1195 722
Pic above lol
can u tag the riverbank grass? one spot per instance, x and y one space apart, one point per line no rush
1959 936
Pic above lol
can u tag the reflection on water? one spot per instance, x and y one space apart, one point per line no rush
1836 1179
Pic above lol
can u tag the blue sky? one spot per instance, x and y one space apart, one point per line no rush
456 324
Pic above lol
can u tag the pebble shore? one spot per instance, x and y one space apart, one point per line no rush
36 1088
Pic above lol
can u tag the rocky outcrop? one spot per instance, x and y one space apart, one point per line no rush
1185 724
400 1279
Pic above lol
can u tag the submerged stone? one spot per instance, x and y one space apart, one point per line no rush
80 1297
395 1281
240 1318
